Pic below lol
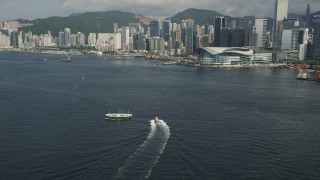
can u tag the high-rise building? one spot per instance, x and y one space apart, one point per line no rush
1 25
261 30
73 40
92 39
135 28
281 13
183 35
67 37
246 25
125 37
303 43
156 44
219 23
20 39
238 37
316 36
167 26
115 27
4 41
154 29
253 36
225 37
61 38
293 23
174 27
290 40
47 40
210 33
205 41
80 39
116 41
308 16
139 42
189 39
13 25
14 39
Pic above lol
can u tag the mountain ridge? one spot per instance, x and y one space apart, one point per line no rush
96 22
102 22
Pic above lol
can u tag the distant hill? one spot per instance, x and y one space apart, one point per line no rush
294 16
96 22
316 14
201 17
102 22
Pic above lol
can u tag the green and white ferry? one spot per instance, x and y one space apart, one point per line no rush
118 116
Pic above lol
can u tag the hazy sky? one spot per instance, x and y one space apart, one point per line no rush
32 9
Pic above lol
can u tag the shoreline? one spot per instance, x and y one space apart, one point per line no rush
244 66
174 60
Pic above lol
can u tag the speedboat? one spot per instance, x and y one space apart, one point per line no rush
156 120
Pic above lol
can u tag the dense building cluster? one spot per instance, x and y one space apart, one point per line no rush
291 38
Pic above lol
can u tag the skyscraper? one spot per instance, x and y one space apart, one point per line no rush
219 23
316 36
1 25
92 39
246 25
67 37
225 37
154 29
261 30
61 38
125 35
115 28
281 13
189 39
167 26
238 37
308 16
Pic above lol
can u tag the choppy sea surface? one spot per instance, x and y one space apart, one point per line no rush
215 123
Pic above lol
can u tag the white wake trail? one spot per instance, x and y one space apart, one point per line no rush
139 165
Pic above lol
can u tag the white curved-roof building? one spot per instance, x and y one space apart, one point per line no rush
236 50
226 55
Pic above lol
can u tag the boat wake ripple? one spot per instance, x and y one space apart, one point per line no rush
139 165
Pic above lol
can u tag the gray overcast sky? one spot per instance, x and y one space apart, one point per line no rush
32 9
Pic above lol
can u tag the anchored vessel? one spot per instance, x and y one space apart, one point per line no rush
119 116
308 75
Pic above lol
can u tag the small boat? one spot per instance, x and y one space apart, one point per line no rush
66 59
118 116
169 63
154 65
156 120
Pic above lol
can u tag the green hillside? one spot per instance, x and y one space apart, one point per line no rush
201 17
96 22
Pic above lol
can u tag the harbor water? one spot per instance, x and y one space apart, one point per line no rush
231 123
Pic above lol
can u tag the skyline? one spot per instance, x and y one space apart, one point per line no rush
11 10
